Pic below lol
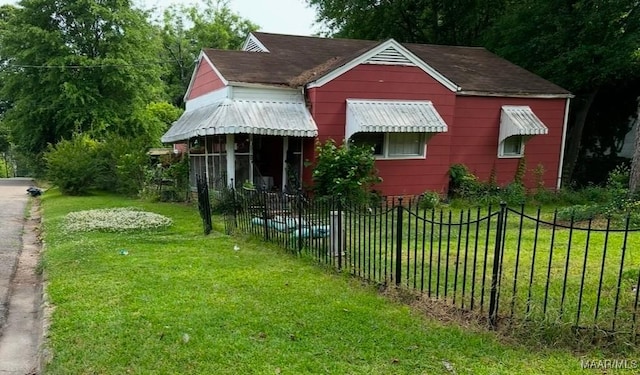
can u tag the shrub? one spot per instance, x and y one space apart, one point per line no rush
429 200
344 171
122 165
578 212
514 194
71 164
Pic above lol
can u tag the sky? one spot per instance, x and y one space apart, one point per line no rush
273 16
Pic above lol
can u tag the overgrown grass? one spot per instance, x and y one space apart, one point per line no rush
179 302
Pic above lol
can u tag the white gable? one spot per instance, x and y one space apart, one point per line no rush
387 53
252 44
390 56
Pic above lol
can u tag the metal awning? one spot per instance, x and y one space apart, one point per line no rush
244 116
382 116
519 120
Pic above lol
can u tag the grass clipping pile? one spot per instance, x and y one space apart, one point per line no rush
115 220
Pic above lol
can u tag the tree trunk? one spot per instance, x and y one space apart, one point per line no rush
634 178
574 137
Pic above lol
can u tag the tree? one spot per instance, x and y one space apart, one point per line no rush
414 21
634 178
188 29
582 45
76 66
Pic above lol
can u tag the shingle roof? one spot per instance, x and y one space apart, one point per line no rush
297 60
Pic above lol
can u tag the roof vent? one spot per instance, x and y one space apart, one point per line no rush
252 44
390 56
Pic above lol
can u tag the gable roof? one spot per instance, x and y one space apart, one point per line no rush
299 60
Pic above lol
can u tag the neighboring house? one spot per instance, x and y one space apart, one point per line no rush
255 115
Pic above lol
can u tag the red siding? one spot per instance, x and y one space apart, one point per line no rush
205 82
390 82
475 138
473 122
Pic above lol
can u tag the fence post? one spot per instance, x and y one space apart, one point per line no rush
399 219
495 273
299 203
204 204
265 215
336 233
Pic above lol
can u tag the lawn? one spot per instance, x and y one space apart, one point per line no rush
174 301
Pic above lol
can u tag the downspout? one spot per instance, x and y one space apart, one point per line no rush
563 144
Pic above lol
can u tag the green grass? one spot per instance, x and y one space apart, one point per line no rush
180 302
454 263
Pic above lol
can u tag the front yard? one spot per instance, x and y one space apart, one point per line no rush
174 301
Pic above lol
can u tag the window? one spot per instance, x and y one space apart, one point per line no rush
512 146
393 145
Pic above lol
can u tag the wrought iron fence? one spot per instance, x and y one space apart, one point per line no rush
504 263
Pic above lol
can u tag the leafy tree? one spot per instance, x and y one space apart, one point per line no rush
188 29
634 178
582 45
76 66
416 21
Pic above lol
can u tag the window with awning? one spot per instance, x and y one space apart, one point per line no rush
393 128
517 125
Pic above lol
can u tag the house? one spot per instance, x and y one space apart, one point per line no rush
255 114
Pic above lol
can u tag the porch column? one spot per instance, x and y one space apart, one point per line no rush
231 160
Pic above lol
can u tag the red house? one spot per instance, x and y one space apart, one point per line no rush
255 115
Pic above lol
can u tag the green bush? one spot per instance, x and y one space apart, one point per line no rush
344 171
122 165
71 164
429 200
578 212
514 194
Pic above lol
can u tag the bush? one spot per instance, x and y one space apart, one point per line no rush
344 171
71 164
122 165
514 194
429 200
579 212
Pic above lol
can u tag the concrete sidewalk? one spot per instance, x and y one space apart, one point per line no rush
20 286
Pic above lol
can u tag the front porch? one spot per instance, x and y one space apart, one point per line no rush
264 162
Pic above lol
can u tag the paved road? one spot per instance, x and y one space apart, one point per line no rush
19 286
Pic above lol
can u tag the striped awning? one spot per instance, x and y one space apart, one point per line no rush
392 116
519 120
231 116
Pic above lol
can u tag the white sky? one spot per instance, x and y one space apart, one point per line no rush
273 16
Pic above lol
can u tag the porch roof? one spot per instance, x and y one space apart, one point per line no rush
520 120
381 116
234 116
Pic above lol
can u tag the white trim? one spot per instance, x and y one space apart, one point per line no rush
562 145
330 76
385 148
202 56
266 94
207 99
502 155
513 95
390 56
252 39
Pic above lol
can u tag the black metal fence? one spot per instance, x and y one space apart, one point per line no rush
507 264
